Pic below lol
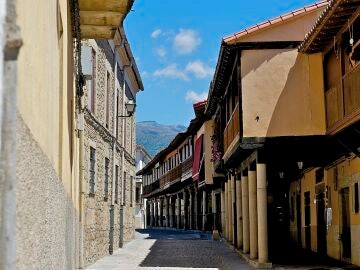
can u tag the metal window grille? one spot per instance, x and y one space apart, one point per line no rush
92 170
116 183
93 81
131 190
106 180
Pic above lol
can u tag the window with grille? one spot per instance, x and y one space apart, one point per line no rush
106 179
116 183
92 170
107 100
131 190
92 95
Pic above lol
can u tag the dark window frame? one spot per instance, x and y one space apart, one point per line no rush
106 178
92 170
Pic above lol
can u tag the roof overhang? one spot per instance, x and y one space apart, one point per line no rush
328 25
100 19
124 51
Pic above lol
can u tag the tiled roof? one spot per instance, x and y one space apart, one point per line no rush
200 103
336 14
276 20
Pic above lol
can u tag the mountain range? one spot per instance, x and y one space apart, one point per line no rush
154 136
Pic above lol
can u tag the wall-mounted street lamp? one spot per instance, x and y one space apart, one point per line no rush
130 108
300 164
281 175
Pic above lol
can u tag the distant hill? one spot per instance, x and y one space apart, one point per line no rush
154 136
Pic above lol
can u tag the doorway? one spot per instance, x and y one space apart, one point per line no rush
111 232
307 224
321 224
345 225
298 218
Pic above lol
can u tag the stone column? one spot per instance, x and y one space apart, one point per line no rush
245 213
262 212
226 211
185 198
172 209
156 212
233 215
214 210
179 211
253 215
196 210
239 223
151 204
223 212
229 211
167 220
161 212
204 202
191 202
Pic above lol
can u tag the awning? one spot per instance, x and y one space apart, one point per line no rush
197 158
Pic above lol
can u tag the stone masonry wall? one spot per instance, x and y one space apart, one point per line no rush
97 206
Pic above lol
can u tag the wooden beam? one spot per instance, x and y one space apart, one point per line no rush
103 18
97 32
104 5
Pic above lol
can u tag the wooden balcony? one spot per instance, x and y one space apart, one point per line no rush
343 102
186 171
232 128
100 19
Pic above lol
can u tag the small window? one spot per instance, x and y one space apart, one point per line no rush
124 189
116 183
117 113
106 179
107 100
356 198
92 95
137 195
92 171
131 190
319 175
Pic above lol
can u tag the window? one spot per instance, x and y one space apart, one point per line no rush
106 180
124 189
356 198
116 183
92 95
92 170
107 100
137 195
319 175
131 190
117 113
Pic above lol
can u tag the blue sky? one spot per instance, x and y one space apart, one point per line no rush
176 45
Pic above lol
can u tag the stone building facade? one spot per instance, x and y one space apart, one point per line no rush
109 149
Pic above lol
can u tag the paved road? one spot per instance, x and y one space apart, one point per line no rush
172 250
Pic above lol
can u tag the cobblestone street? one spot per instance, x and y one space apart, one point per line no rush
167 249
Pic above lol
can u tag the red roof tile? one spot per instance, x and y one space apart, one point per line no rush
273 21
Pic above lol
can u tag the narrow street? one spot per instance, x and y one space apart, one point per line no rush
168 249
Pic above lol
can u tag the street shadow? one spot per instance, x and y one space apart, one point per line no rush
181 249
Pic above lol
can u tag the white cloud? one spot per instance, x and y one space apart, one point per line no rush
161 52
186 41
156 33
171 71
193 97
199 69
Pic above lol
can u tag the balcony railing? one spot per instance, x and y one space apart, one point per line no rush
187 168
343 101
232 128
